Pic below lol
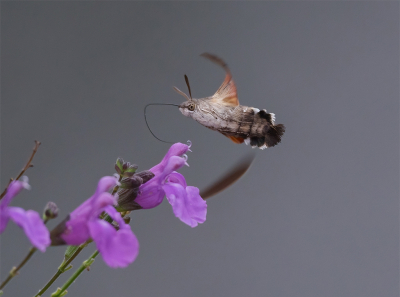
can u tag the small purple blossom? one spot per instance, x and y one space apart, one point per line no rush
118 248
29 220
186 202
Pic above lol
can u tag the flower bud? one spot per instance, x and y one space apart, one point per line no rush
55 234
129 190
125 168
131 182
145 175
50 211
126 199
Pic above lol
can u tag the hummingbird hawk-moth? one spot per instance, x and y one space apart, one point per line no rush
223 113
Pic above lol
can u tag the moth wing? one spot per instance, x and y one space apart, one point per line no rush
229 178
226 94
235 139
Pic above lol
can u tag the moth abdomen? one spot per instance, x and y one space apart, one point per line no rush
263 132
270 117
253 126
273 134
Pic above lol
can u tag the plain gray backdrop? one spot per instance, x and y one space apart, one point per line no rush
317 215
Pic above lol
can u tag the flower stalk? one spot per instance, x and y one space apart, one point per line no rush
27 165
14 270
62 268
85 265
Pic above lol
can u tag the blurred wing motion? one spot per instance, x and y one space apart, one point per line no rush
226 94
229 178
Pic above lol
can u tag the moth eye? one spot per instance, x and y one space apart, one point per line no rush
191 106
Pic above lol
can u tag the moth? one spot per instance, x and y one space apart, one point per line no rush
223 113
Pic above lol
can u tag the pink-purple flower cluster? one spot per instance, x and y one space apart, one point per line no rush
185 200
118 248
116 242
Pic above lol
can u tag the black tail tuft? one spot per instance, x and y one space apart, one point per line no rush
273 134
264 115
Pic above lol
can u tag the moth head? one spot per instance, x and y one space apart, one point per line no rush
188 107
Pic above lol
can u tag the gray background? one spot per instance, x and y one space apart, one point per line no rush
315 216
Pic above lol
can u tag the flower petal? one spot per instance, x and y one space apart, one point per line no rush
116 216
92 206
105 184
197 204
118 248
101 201
3 218
176 177
177 149
174 163
83 211
187 204
13 189
76 231
33 226
151 194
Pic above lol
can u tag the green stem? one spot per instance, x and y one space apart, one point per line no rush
14 270
85 265
63 267
27 165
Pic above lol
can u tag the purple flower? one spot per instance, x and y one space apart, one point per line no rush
29 220
118 248
185 200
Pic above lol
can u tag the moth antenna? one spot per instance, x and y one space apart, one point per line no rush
188 85
181 93
147 124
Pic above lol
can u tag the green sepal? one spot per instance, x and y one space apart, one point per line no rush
68 267
119 166
120 163
131 169
57 293
88 262
71 249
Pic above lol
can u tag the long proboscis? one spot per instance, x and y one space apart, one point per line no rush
147 124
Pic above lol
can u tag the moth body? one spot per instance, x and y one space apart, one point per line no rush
209 115
223 113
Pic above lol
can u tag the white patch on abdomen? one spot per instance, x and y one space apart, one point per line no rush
272 117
